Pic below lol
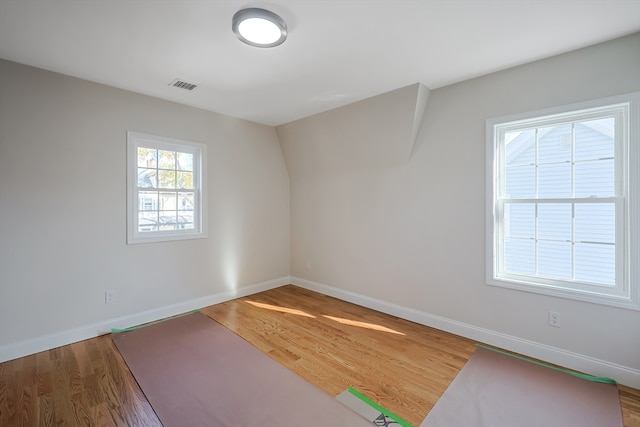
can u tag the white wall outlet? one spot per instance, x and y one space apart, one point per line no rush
554 319
109 297
308 265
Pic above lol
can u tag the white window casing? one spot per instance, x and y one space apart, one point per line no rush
166 194
563 197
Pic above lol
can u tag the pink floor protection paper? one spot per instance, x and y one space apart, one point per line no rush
499 390
195 372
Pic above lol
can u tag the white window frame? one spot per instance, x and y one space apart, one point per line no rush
137 139
626 292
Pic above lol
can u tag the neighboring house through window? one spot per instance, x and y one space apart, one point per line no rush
563 190
166 199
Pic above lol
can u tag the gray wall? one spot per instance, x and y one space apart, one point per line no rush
63 206
413 234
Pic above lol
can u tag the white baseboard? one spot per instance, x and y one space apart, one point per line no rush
47 342
622 374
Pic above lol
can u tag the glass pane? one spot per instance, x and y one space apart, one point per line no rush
185 201
168 201
554 144
554 259
554 221
148 201
554 180
520 182
185 162
519 220
167 159
595 178
167 179
184 180
168 220
595 263
147 157
595 222
520 148
185 220
147 221
147 177
519 256
595 139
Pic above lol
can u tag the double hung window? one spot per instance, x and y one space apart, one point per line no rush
165 185
563 197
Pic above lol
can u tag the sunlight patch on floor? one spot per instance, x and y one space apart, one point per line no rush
363 325
280 309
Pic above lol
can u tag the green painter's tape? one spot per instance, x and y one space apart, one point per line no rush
133 328
587 377
374 405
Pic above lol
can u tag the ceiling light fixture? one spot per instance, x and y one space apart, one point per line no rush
259 27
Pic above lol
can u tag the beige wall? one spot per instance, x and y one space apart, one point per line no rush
413 234
63 206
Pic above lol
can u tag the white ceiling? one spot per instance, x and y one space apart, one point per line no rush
338 51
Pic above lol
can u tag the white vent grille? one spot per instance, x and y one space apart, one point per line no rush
182 84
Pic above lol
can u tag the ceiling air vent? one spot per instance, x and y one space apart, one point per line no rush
182 84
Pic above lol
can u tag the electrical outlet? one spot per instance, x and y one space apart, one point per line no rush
554 319
308 265
109 297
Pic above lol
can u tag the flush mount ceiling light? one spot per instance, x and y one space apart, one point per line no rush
259 27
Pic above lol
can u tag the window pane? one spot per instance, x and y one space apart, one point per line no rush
520 147
167 159
184 180
168 220
595 139
168 201
185 162
147 177
185 220
554 259
554 180
148 201
167 179
595 222
595 178
595 263
519 256
147 157
554 144
554 221
185 201
520 182
519 220
147 221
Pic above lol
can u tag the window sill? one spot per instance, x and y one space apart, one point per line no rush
626 302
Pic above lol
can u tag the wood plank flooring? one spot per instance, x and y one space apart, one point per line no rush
332 344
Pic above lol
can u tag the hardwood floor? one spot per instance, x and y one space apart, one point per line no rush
82 384
332 344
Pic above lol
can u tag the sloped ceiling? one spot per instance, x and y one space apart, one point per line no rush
338 52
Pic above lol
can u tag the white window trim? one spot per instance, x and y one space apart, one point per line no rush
629 295
136 139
